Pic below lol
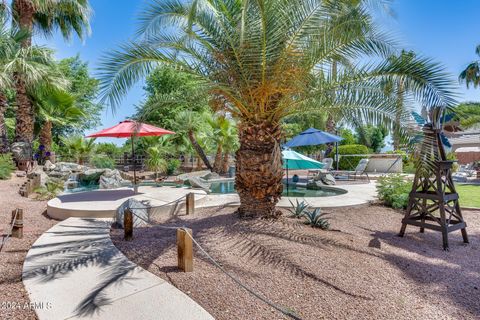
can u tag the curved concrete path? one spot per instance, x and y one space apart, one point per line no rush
104 203
77 273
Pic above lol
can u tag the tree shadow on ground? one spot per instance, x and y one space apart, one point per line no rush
229 226
55 260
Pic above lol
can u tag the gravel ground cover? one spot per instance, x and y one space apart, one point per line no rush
360 269
14 301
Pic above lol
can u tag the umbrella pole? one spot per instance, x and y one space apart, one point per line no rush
134 166
287 177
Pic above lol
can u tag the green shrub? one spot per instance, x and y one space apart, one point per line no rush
298 210
350 162
172 166
316 219
102 161
51 190
6 166
394 190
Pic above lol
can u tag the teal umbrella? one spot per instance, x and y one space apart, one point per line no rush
294 160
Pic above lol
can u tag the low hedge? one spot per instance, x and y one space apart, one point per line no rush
350 162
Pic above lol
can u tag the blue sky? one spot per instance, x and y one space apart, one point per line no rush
440 29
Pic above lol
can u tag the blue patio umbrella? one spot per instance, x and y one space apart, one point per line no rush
294 160
312 137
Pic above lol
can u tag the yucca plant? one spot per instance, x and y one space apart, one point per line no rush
263 60
297 209
316 219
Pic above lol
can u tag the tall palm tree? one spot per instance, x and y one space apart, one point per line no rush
55 107
42 16
471 74
36 65
260 58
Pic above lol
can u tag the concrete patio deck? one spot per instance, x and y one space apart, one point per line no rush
357 194
73 271
104 203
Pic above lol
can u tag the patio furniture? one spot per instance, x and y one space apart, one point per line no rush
360 170
328 163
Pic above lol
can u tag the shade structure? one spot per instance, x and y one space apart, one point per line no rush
312 137
296 161
128 128
131 129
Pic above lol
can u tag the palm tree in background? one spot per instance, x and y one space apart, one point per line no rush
55 107
44 17
190 123
471 74
258 58
221 134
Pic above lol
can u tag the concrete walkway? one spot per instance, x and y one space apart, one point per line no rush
104 203
73 271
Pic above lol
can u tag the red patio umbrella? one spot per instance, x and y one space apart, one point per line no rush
131 129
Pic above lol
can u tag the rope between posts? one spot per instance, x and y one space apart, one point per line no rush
5 238
219 266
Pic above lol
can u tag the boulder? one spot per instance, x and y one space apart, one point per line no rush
21 151
112 179
140 213
90 176
328 179
211 176
48 166
315 185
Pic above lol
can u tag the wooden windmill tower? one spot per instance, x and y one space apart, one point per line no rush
433 202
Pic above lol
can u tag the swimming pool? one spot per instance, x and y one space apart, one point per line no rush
227 187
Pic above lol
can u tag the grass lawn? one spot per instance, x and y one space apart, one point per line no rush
469 195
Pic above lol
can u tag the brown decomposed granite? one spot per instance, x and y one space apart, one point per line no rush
14 301
360 269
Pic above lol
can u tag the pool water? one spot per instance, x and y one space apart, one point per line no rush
227 187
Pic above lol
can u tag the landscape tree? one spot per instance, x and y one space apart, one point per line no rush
42 16
84 89
259 58
55 107
471 74
36 65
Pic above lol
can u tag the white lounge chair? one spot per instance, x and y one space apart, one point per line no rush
352 175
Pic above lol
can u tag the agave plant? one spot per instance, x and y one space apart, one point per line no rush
266 59
316 219
298 209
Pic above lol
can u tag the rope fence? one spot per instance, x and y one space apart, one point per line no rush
187 232
15 223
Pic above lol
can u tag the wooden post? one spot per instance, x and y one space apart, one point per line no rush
190 203
17 230
185 249
128 225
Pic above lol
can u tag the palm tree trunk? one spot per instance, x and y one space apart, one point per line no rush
25 115
199 150
46 136
259 170
226 157
4 146
398 117
217 165
24 10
